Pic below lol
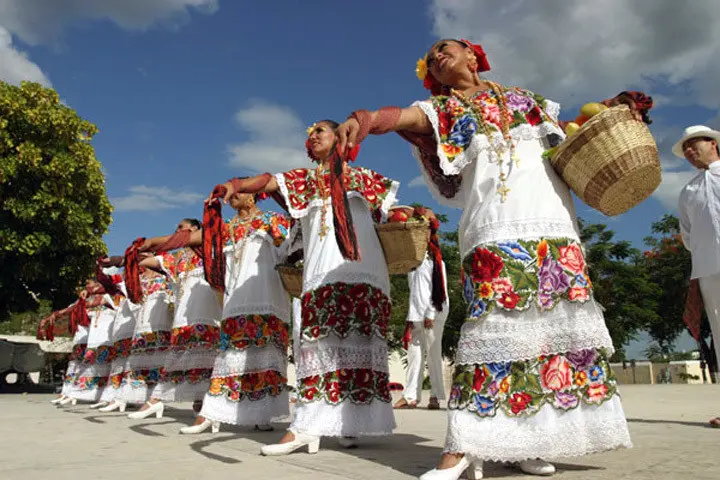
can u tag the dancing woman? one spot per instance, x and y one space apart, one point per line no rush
533 378
342 356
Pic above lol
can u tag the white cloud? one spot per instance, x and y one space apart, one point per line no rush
418 181
15 66
276 139
580 51
144 198
40 21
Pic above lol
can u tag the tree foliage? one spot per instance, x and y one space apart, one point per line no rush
54 208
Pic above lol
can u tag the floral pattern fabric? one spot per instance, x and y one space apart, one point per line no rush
275 224
122 347
522 388
249 386
342 308
139 377
90 383
360 386
194 336
99 355
78 351
515 275
302 186
148 342
152 281
186 261
458 123
192 376
246 331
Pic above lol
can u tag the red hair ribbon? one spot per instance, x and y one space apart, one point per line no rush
132 271
436 88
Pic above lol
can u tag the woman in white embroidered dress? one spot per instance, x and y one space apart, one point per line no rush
249 379
342 356
195 329
533 378
79 344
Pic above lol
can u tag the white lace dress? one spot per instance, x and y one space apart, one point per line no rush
151 335
195 333
341 356
249 379
121 338
78 353
93 371
533 378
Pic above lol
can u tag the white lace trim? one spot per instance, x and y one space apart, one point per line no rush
330 354
108 394
259 309
390 198
475 235
480 143
550 433
342 275
189 359
183 392
344 420
145 361
92 395
238 362
246 412
135 394
85 370
507 336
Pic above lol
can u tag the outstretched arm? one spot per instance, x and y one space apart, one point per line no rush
194 239
388 119
264 182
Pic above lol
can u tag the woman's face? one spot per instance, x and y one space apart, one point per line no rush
446 59
185 226
321 140
241 200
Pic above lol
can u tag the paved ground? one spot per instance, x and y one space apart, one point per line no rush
38 441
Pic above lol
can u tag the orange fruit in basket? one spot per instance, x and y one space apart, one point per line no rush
581 119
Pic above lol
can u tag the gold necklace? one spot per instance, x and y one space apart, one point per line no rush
245 223
319 176
500 150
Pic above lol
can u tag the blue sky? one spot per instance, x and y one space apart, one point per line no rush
187 93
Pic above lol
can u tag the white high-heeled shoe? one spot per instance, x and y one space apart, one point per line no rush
95 406
537 467
471 468
55 401
67 400
156 408
115 405
312 442
347 442
195 429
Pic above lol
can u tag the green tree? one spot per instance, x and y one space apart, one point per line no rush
621 284
54 208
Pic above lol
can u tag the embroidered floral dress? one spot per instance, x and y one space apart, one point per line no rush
249 379
533 378
79 345
93 370
342 356
151 335
195 333
121 338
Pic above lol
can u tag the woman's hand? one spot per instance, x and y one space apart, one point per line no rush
223 190
347 133
625 100
84 294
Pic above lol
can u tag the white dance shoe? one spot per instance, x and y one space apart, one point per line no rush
153 408
347 442
67 400
58 400
95 406
301 440
471 468
537 467
195 429
112 406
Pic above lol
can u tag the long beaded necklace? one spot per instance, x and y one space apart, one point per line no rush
245 223
500 150
319 175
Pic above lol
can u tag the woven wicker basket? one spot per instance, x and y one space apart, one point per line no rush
611 163
292 278
404 244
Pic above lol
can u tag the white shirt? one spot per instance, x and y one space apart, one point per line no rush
700 221
420 283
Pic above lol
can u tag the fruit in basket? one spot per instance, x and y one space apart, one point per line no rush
398 216
571 129
581 119
591 109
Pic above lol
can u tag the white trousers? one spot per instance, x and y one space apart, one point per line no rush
425 342
710 289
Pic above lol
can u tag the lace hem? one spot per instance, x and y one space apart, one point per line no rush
246 412
91 395
548 434
331 354
475 235
480 143
506 336
252 359
343 420
335 276
182 392
261 309
135 394
190 359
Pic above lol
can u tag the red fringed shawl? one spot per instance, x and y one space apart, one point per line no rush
109 283
345 235
132 271
694 307
212 241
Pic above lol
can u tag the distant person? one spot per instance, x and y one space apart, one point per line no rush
700 220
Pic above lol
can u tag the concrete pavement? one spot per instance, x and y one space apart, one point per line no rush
39 441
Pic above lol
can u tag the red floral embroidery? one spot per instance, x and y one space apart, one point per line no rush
360 386
192 336
253 330
250 386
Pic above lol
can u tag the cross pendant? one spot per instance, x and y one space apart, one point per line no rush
503 192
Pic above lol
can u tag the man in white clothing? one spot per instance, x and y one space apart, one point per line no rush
427 325
700 220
